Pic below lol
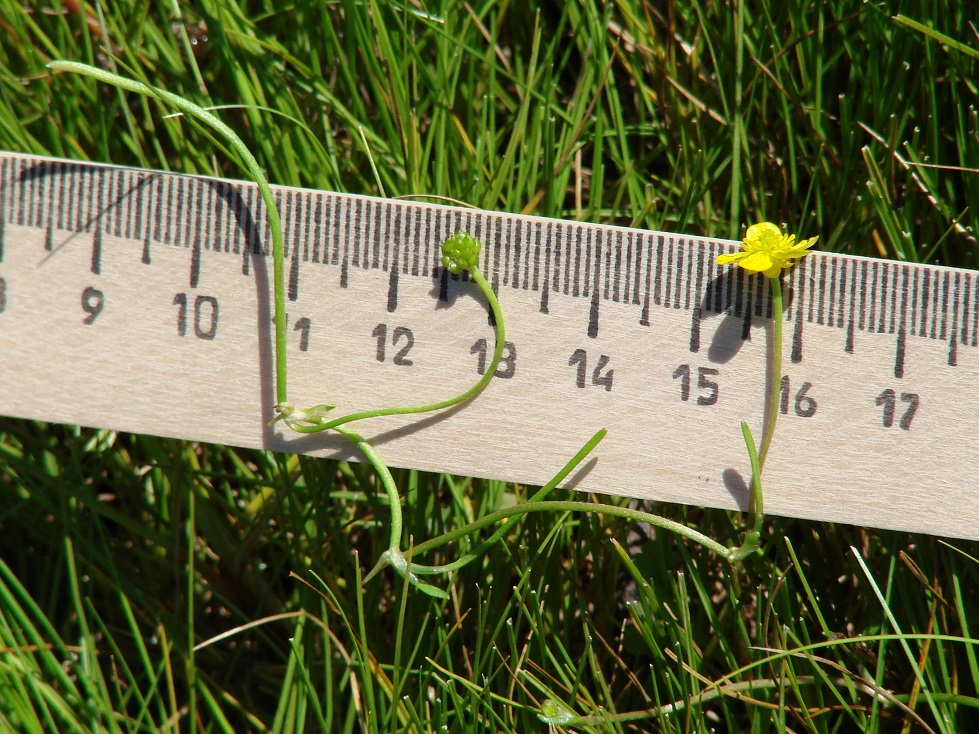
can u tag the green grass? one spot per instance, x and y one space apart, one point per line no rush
157 585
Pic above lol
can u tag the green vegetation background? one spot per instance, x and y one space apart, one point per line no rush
120 553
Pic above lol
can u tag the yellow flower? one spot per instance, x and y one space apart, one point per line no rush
767 250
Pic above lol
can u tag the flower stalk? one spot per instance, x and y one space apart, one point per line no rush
765 250
459 252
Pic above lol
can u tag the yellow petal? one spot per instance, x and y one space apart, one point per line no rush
731 258
757 262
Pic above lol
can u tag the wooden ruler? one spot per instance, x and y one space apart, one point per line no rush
141 301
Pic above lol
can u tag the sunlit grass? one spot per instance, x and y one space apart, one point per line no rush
157 585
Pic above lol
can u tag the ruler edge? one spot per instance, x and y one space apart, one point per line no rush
420 201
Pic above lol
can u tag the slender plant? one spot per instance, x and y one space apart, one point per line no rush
765 250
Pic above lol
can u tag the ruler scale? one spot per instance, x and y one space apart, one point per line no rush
138 300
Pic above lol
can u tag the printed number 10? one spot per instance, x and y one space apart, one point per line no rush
205 316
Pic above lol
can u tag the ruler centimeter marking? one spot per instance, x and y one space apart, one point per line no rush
886 442
648 267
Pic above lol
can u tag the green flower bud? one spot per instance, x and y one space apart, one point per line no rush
460 252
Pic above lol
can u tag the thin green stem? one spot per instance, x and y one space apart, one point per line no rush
315 423
573 506
757 458
387 481
251 166
538 496
775 387
402 562
393 555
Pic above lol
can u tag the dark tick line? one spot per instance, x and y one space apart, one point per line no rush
624 268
